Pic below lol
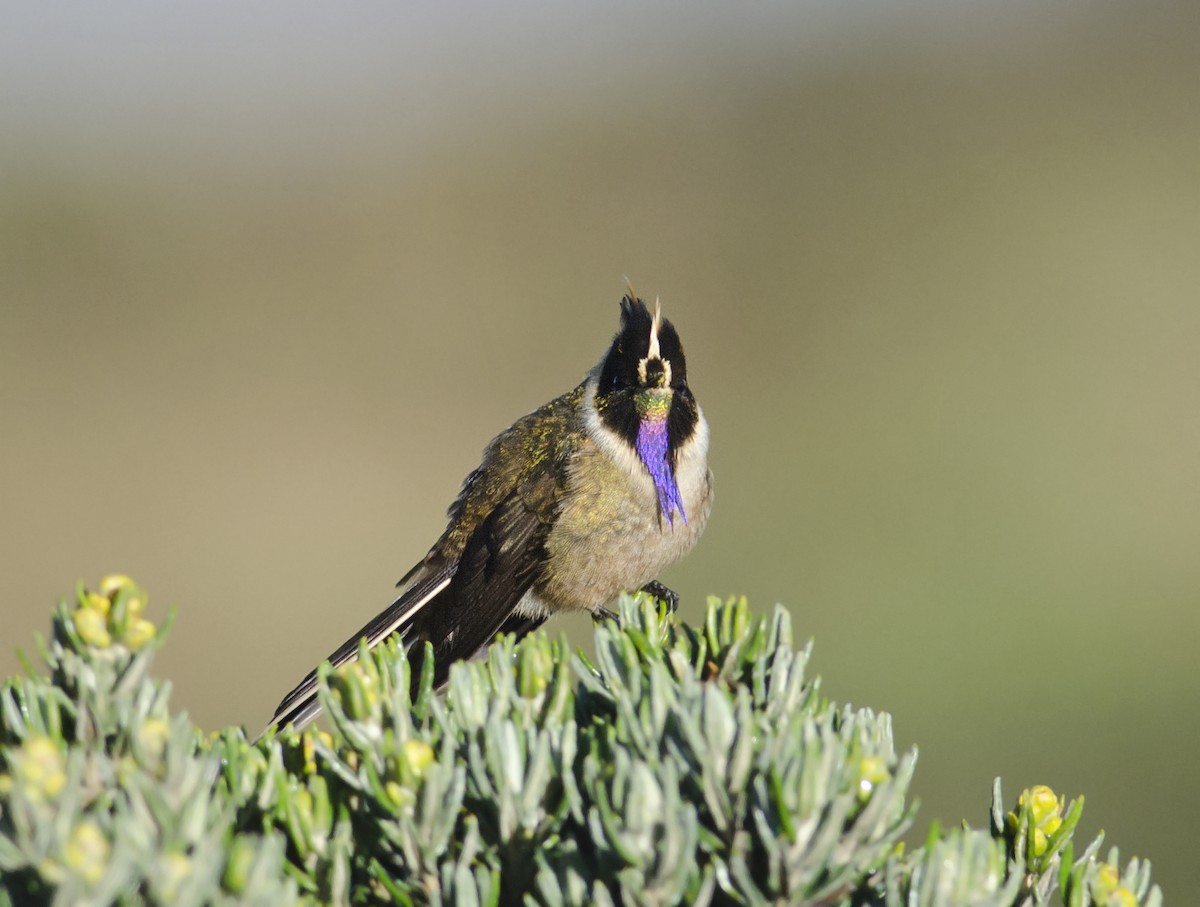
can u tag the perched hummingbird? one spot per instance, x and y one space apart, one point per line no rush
588 496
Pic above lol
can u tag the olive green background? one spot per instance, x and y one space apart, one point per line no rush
269 281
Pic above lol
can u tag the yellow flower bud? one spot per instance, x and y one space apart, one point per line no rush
872 771
1106 880
111 583
99 602
533 670
138 633
176 867
418 755
1042 801
92 627
152 736
309 753
41 768
87 852
1122 897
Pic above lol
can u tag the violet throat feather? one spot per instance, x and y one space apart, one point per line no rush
652 447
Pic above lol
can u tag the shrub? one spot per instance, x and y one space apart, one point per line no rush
681 765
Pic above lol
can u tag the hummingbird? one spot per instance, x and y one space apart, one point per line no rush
588 496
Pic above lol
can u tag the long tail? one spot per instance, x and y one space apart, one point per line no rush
301 705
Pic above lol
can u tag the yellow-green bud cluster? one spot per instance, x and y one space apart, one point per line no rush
872 771
299 749
38 768
1046 810
112 616
535 667
407 767
1040 827
87 851
358 686
1106 889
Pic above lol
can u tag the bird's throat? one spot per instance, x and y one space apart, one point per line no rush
654 450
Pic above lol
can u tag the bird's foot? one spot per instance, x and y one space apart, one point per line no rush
659 591
655 588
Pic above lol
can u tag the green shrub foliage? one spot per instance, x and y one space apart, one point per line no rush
680 765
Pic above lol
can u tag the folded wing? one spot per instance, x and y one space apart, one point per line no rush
458 607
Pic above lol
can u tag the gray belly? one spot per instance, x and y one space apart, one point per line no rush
609 535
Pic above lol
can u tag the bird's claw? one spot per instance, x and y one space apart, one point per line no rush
655 588
659 591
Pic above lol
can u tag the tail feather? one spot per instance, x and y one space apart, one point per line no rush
301 705
475 595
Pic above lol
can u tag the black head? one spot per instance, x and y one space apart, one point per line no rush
645 355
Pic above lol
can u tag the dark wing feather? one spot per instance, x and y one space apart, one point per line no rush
499 564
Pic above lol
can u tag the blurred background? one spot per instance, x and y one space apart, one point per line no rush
270 279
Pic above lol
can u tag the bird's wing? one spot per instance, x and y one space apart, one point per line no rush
499 564
459 607
300 706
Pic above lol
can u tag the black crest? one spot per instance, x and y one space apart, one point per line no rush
632 345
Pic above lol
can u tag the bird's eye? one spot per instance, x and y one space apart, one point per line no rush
617 382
